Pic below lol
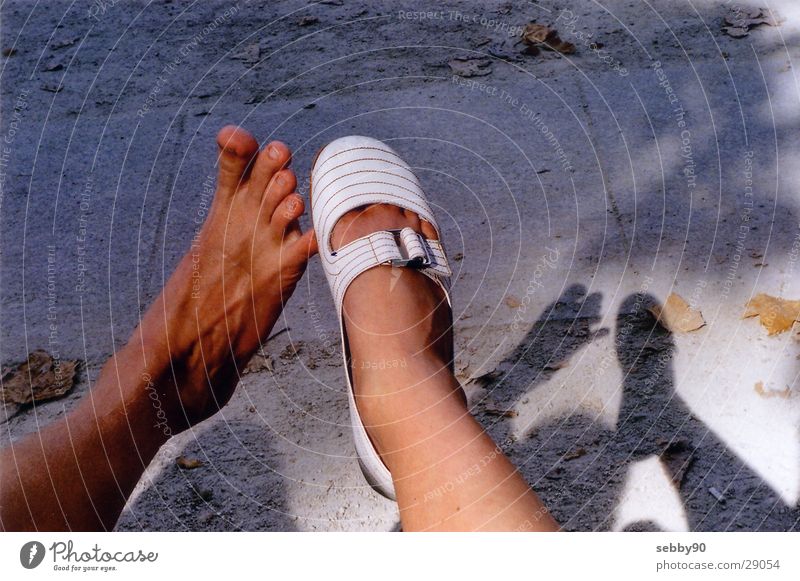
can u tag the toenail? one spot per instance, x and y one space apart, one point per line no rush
280 180
274 152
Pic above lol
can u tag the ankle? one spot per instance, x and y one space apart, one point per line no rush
395 394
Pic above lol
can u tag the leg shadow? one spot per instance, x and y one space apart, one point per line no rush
717 490
580 467
237 488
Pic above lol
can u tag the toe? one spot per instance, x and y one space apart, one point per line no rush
427 230
236 150
289 210
281 185
270 160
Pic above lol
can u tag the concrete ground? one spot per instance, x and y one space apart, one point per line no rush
574 192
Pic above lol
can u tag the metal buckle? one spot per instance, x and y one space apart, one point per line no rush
418 262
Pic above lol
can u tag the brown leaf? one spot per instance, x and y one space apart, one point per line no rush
777 315
575 454
188 463
39 378
259 362
555 365
768 393
492 411
292 350
676 316
540 36
470 67
512 301
678 458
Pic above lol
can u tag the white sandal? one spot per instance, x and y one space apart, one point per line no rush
348 173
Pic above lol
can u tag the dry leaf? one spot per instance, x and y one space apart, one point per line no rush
259 362
308 20
491 411
188 463
676 316
556 365
540 36
250 54
292 350
768 393
740 20
470 67
486 378
575 454
777 314
512 302
678 458
39 378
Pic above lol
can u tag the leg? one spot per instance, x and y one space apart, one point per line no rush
448 473
181 365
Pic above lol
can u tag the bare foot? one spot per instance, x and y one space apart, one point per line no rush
229 289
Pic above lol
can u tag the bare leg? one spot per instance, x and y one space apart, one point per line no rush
448 473
180 366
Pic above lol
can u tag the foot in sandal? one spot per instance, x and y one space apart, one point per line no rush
415 438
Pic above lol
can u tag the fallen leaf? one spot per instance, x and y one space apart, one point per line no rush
575 454
735 31
188 463
470 67
259 362
39 378
250 54
65 43
540 36
458 256
676 316
512 302
486 378
491 411
768 393
291 350
678 458
555 365
52 88
9 51
308 20
740 20
776 314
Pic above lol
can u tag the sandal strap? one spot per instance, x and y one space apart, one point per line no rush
354 172
401 248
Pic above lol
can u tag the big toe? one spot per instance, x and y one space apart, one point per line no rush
237 147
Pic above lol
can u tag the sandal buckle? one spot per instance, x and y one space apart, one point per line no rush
420 261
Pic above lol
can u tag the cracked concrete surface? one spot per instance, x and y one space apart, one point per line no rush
571 196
